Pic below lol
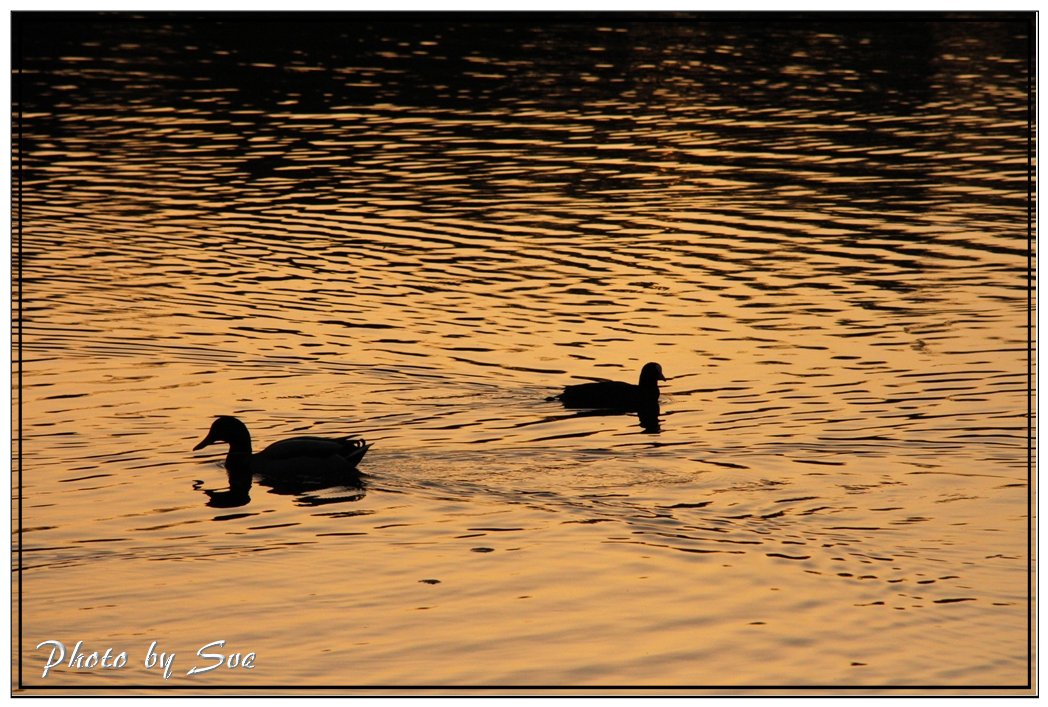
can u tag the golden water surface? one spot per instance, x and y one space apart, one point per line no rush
417 229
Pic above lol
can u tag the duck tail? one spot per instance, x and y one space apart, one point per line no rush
352 443
357 451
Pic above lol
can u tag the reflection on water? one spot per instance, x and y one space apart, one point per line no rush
419 229
308 489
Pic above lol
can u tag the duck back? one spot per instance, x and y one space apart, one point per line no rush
315 452
307 447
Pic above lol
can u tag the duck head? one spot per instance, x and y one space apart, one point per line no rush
650 375
230 430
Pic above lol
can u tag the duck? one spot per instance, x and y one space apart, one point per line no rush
297 458
616 394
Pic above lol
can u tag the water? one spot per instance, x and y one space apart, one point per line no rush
416 230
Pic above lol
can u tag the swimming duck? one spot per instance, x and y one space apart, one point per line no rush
616 394
289 458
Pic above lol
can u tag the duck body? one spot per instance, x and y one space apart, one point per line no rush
344 451
308 456
616 394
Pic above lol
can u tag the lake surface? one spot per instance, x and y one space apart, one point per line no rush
416 229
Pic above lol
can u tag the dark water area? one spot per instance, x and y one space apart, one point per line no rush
417 229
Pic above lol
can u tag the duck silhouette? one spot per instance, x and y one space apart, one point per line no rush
616 395
297 463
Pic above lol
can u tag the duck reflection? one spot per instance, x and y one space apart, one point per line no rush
647 416
317 470
319 491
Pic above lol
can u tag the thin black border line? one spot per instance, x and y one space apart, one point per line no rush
16 49
18 19
1031 107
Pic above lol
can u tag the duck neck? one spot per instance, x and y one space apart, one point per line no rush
239 440
238 470
239 459
649 388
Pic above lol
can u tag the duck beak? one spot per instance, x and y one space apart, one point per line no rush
204 442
